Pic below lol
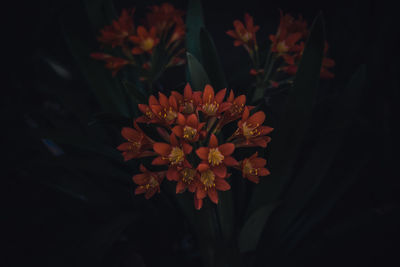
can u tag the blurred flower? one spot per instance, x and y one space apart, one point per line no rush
112 63
245 35
117 33
290 31
148 182
253 167
164 17
144 40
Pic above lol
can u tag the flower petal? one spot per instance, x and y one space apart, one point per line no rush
213 195
222 185
162 148
202 153
213 141
226 149
219 170
172 174
208 94
230 161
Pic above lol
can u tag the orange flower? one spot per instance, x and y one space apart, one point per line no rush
213 105
149 116
185 177
245 36
188 101
112 63
253 167
235 110
145 40
250 130
290 31
117 33
137 145
217 157
148 182
208 184
188 128
172 154
166 109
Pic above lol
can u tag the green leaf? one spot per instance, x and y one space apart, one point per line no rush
211 62
251 230
291 129
108 90
198 77
194 22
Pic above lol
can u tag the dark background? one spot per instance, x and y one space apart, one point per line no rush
45 225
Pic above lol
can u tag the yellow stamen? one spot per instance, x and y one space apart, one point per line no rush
189 133
211 108
188 107
248 168
176 156
282 47
208 179
147 44
188 175
250 130
215 157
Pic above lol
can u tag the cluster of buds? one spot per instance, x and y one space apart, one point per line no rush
163 29
288 44
192 149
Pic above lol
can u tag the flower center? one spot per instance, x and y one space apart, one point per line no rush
208 179
168 114
151 183
188 107
245 36
147 44
176 156
134 146
189 133
188 175
210 108
250 131
215 157
248 168
236 109
282 47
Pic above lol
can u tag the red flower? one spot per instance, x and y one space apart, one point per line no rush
166 109
163 17
217 157
245 36
137 145
213 105
250 130
172 154
188 128
149 116
236 108
188 101
112 63
149 182
290 31
117 33
186 178
145 40
253 167
208 184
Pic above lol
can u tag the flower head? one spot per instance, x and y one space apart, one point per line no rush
253 167
117 33
164 17
166 109
213 105
188 128
189 101
138 145
148 182
144 41
250 130
245 34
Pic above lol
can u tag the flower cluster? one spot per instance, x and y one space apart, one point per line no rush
162 30
192 150
287 44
